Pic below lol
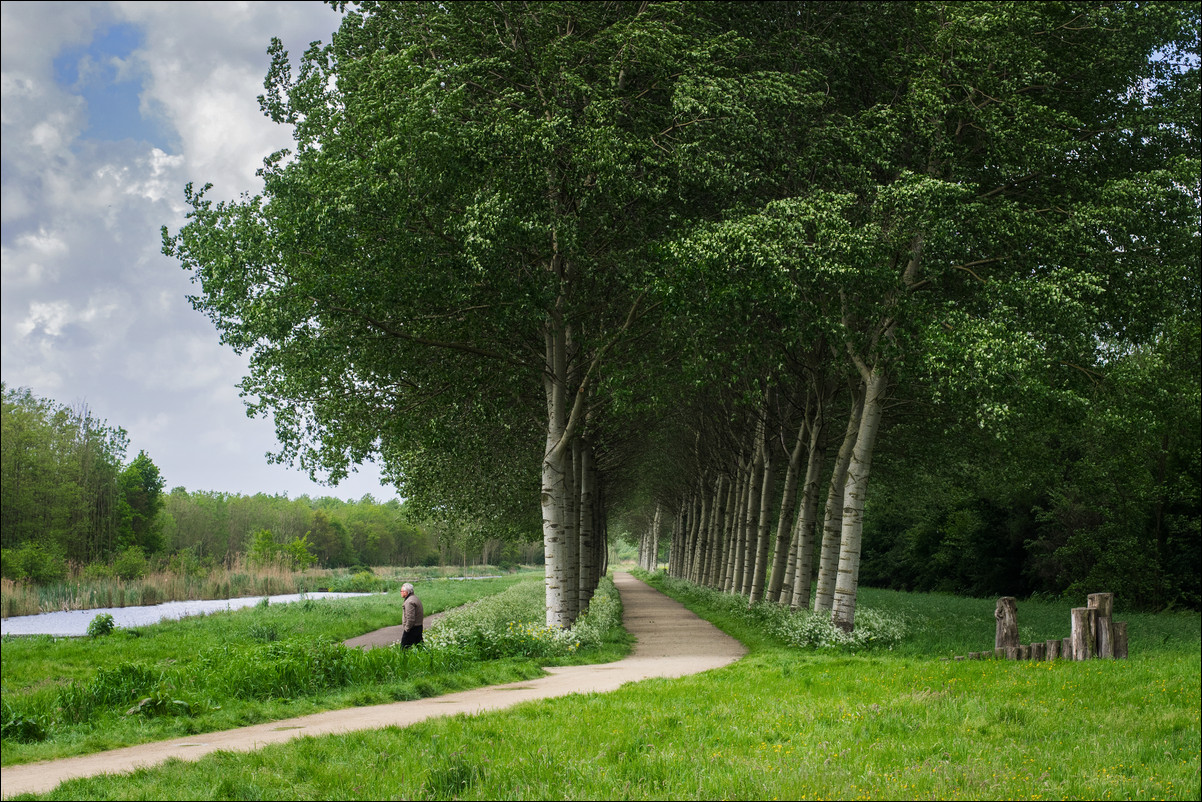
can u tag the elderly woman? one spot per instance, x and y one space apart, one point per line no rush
411 620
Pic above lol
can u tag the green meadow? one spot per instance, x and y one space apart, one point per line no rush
893 721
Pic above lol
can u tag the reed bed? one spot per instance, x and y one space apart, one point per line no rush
238 579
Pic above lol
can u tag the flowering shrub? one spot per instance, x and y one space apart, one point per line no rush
511 624
801 628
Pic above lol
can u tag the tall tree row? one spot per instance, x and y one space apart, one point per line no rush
1021 180
516 244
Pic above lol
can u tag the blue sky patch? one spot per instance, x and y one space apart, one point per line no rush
103 74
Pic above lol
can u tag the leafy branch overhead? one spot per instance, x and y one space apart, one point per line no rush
512 241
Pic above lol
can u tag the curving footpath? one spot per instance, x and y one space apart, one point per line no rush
672 642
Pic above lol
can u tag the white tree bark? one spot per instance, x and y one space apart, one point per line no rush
755 590
554 477
854 495
832 526
785 521
736 526
747 525
807 517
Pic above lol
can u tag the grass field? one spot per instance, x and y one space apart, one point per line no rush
783 723
70 696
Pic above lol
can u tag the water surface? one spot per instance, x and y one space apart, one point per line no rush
75 622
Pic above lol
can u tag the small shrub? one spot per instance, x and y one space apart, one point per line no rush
361 582
130 563
799 628
185 563
101 625
35 563
97 572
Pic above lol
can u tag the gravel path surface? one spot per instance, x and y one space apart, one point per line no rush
672 642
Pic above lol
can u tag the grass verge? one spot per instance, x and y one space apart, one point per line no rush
64 697
784 723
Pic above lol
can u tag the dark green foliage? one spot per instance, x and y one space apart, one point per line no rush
130 563
1056 501
35 562
64 489
217 526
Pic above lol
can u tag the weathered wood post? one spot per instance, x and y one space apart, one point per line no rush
1066 648
1039 651
1052 649
1007 623
1120 640
1084 632
1104 604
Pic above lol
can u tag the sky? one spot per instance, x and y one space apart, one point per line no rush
109 109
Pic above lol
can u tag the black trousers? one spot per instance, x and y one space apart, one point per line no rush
411 637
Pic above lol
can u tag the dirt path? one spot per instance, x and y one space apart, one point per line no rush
672 642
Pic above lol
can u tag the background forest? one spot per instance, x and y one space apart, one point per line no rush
69 497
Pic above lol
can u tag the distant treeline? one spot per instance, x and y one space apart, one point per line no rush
69 497
64 482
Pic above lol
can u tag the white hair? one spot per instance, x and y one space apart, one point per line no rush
408 586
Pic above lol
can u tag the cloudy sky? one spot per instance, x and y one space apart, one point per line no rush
109 109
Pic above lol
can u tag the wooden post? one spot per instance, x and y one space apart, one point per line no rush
1120 640
1066 648
1084 621
999 653
1024 651
1104 604
1012 653
1052 649
1007 623
1039 651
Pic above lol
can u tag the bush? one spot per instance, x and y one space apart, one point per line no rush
512 624
95 572
185 563
799 628
130 564
361 582
34 563
101 625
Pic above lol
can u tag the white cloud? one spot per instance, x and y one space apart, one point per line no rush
92 311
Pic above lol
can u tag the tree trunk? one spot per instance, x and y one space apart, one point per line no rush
785 521
1006 615
747 527
1083 632
588 517
854 495
755 589
650 561
828 565
571 552
702 531
1104 604
807 518
736 526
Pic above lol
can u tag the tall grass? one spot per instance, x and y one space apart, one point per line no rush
79 591
64 697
